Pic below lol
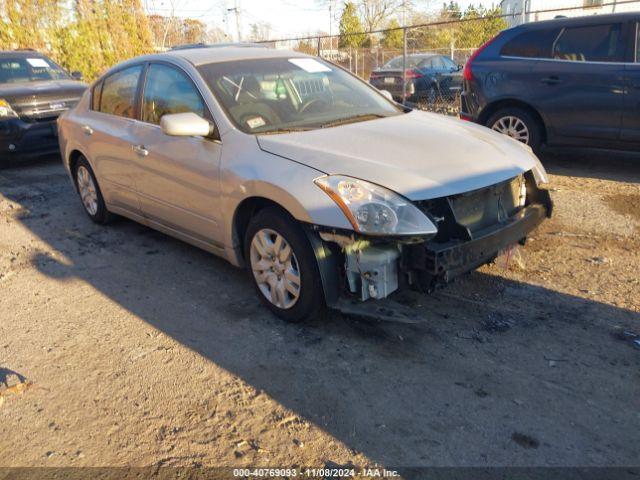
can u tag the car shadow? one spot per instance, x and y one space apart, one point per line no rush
500 373
619 167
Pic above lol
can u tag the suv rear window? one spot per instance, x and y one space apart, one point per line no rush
593 43
531 44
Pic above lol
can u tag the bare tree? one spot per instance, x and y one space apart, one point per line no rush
375 13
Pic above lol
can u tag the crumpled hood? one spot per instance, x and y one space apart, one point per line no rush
418 155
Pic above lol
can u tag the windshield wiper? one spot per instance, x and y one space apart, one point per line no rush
352 119
285 130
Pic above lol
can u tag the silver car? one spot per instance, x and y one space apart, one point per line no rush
329 193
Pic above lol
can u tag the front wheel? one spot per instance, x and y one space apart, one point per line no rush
283 266
517 124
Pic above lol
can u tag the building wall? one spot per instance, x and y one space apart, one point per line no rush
514 8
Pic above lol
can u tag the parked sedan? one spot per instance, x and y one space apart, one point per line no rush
326 191
429 77
33 92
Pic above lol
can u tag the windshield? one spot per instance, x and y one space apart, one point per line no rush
25 69
281 94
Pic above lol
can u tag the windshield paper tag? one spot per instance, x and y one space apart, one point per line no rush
37 63
309 65
256 122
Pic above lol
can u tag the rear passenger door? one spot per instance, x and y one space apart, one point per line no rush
631 114
109 132
581 87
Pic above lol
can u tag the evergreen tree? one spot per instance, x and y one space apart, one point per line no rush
350 24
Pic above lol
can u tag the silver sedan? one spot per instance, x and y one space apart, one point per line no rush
327 191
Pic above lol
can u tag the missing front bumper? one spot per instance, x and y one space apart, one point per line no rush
433 263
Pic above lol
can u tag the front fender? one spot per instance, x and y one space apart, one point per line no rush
281 181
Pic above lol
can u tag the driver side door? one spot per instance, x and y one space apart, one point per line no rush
178 184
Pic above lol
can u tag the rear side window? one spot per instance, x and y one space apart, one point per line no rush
531 44
593 43
119 92
637 58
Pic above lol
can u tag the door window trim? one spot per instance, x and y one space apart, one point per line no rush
143 76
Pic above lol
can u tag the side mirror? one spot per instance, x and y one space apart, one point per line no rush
387 95
186 124
77 76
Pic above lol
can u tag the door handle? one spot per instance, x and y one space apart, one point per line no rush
553 80
140 150
87 130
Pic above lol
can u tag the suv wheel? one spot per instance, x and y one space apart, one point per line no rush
90 193
517 124
283 266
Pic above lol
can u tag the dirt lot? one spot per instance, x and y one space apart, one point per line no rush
135 349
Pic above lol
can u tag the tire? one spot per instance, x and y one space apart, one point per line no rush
261 241
509 121
87 186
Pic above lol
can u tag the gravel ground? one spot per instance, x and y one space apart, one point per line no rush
121 346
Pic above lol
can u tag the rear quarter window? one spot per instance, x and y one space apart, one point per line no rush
95 96
531 44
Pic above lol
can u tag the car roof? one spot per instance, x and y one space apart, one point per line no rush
19 54
228 53
583 20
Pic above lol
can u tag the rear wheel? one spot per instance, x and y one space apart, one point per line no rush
283 266
90 193
518 124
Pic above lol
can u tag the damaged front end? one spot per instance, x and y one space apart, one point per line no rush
360 271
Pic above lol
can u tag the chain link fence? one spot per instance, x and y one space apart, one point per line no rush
422 65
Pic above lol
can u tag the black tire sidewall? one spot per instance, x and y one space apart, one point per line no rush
535 133
310 303
102 215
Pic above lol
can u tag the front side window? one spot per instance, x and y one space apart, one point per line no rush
29 69
168 90
119 92
594 43
449 64
283 94
531 44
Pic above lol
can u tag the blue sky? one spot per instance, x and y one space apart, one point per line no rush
286 17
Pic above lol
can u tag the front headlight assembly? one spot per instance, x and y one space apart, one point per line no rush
375 210
5 110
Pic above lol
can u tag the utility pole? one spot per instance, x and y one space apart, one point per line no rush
330 32
236 9
524 11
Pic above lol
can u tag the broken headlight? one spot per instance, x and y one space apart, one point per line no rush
375 210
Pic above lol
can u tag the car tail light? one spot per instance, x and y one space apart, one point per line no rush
410 73
467 73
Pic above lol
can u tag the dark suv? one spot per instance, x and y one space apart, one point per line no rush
34 91
569 82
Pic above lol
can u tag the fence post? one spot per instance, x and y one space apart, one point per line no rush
404 65
356 62
319 48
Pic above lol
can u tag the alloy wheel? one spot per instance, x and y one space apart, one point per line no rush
275 268
87 190
513 127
